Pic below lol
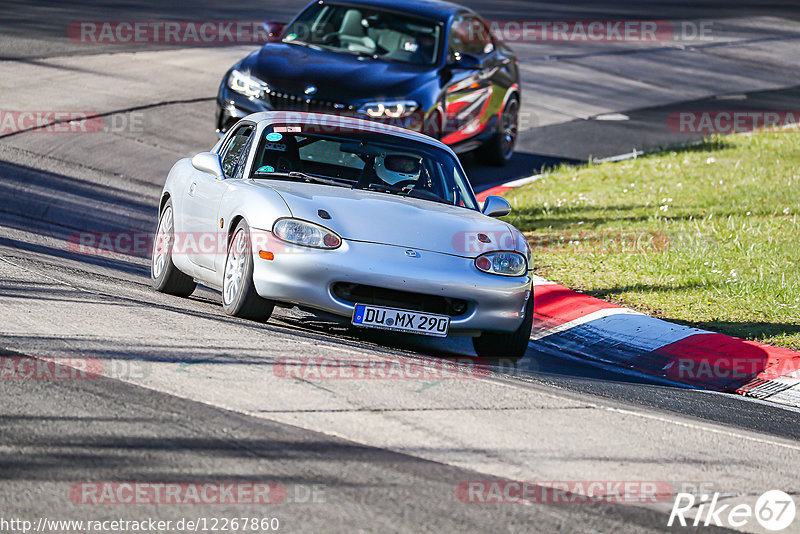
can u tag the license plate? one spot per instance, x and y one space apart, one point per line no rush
426 324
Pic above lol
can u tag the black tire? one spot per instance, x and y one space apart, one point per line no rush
499 150
510 347
242 301
164 276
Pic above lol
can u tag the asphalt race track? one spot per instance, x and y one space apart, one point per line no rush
189 395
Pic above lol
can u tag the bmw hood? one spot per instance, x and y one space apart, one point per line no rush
367 216
292 68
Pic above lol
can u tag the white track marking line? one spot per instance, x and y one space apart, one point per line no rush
522 181
704 428
663 419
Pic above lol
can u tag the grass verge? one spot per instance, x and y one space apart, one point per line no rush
706 236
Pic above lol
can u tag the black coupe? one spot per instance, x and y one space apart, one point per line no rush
428 66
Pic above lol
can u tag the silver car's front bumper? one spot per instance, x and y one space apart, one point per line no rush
304 276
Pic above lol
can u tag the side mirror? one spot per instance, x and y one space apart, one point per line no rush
274 30
208 162
496 207
465 62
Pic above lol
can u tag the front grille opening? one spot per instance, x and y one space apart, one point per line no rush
392 298
292 102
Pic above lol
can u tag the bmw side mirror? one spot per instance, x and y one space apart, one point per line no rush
496 207
465 62
208 162
274 30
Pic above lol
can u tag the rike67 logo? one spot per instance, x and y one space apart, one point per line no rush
774 511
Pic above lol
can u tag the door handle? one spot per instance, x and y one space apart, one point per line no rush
192 189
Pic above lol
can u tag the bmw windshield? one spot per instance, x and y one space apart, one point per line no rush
370 161
369 32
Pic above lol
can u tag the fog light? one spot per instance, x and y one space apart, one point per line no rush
459 307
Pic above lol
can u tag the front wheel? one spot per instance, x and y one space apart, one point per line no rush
499 149
239 296
501 346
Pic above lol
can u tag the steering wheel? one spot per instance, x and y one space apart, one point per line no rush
329 38
403 184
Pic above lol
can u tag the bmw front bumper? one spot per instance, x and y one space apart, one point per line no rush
232 106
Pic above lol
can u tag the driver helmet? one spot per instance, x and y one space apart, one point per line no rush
395 168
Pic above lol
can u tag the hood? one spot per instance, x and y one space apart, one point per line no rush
292 68
359 215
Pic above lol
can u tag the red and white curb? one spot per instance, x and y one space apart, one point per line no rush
591 329
500 189
597 331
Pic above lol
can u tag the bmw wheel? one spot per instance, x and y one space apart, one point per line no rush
499 149
239 296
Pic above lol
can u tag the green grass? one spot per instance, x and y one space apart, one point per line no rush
706 236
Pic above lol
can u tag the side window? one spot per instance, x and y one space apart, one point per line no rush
235 154
243 158
469 35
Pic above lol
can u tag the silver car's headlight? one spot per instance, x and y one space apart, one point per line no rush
247 84
502 263
306 234
391 110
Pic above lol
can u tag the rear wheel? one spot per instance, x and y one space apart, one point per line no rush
239 296
506 346
499 149
164 276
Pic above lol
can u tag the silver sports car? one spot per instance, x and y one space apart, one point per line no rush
349 219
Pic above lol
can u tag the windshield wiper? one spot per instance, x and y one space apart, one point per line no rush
409 192
384 189
303 43
301 176
315 179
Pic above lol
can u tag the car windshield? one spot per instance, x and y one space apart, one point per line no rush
366 31
372 161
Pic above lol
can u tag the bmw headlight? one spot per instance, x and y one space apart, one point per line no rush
247 84
502 263
306 234
391 110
